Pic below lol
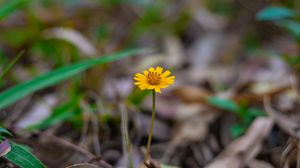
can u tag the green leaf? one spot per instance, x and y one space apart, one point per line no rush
255 112
291 59
224 104
10 6
237 130
22 157
4 132
292 27
8 67
273 13
19 91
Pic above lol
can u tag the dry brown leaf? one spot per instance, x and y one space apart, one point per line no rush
191 94
259 164
74 37
245 148
286 124
193 129
83 165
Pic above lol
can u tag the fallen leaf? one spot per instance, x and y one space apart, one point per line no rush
241 151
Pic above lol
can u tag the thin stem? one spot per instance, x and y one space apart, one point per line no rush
126 140
151 126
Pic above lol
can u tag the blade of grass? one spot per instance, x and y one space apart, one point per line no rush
22 157
61 113
10 6
8 67
4 132
19 91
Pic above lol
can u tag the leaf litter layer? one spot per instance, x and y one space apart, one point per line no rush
234 103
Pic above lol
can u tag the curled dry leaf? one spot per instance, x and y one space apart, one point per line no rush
74 37
4 147
192 122
191 130
83 165
259 164
187 111
286 124
241 151
191 94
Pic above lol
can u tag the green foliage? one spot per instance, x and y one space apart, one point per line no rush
252 42
283 17
246 114
19 91
221 7
224 104
292 60
274 13
102 32
150 20
4 132
9 66
137 96
22 157
17 37
58 51
154 20
292 27
237 130
9 6
19 154
62 113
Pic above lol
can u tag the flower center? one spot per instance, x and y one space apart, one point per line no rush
153 78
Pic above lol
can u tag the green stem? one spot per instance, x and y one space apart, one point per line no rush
151 126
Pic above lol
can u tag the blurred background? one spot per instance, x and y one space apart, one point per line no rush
235 101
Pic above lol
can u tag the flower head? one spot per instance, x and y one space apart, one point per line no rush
154 79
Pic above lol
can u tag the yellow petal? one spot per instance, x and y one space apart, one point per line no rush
151 69
140 79
163 86
162 80
138 83
165 74
167 83
159 70
146 72
142 88
140 75
171 77
168 80
157 89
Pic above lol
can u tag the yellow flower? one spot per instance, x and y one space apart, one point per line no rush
154 79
